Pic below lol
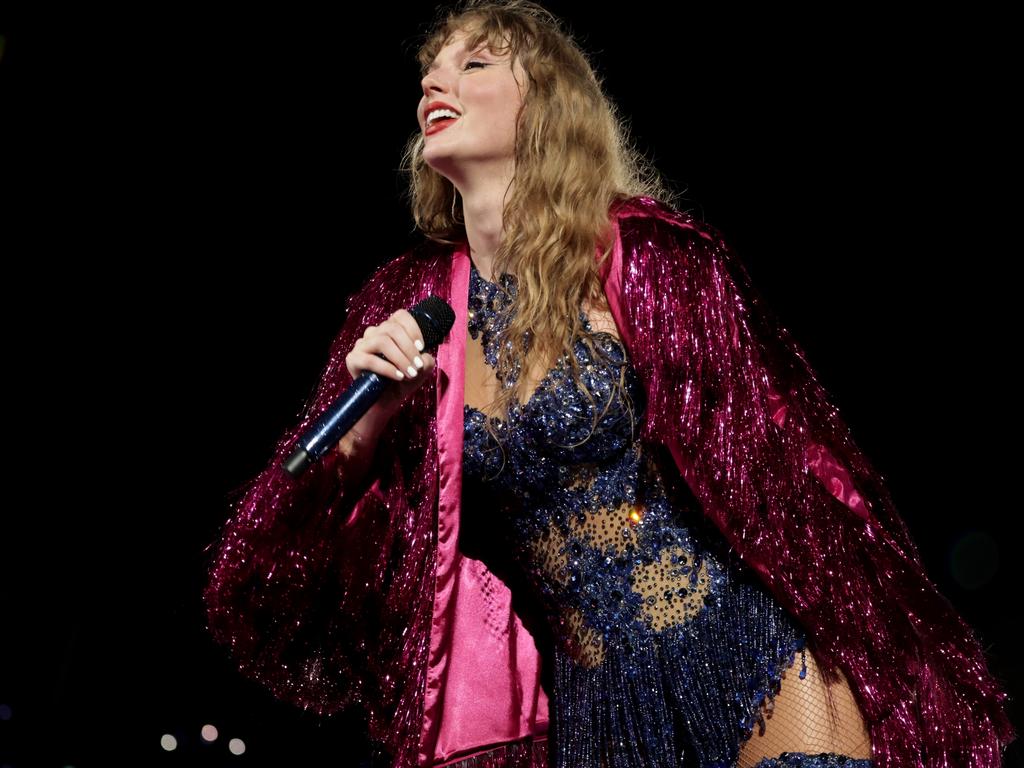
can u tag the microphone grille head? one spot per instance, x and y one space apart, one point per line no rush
435 318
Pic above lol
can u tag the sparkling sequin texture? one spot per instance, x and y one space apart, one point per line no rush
650 621
294 578
323 589
820 760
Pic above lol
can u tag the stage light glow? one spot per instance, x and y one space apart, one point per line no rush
209 732
168 742
236 747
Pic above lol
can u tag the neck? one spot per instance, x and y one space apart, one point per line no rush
483 203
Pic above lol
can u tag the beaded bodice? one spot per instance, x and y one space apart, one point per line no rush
552 435
592 523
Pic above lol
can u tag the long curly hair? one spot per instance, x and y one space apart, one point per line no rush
573 161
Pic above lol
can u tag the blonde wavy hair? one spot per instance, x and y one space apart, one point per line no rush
573 160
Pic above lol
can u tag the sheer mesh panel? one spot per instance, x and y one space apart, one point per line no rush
669 597
808 716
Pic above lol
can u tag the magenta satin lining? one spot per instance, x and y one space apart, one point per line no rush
483 673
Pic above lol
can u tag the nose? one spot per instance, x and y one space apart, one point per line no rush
433 81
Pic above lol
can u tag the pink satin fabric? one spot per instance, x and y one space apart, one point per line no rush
483 678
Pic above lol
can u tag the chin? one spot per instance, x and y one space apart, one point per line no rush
442 163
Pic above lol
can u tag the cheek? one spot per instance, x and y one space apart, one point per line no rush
500 102
509 111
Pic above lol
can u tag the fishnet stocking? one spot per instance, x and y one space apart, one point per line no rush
808 716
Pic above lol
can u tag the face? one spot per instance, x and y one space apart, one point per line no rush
482 88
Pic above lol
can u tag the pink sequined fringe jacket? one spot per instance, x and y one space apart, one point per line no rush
334 593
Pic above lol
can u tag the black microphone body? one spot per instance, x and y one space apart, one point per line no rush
435 318
336 421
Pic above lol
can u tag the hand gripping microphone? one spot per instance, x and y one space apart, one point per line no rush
435 318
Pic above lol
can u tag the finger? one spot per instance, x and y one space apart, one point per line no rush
399 328
412 328
386 344
369 361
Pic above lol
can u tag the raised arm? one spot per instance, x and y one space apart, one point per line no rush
282 575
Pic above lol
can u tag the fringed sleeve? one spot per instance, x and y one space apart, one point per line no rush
322 588
764 450
819 460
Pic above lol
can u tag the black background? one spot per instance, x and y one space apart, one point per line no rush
192 192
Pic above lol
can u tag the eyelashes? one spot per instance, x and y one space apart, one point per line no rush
425 72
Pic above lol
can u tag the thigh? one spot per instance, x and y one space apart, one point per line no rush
809 716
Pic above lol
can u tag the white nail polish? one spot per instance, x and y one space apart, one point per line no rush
412 371
419 345
418 360
399 374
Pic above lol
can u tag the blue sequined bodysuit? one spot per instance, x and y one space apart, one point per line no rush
664 645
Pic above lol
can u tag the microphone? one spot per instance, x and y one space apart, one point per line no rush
435 318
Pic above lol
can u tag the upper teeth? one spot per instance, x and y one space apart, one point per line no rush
437 113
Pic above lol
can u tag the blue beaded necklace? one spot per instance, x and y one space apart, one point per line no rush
489 314
488 302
